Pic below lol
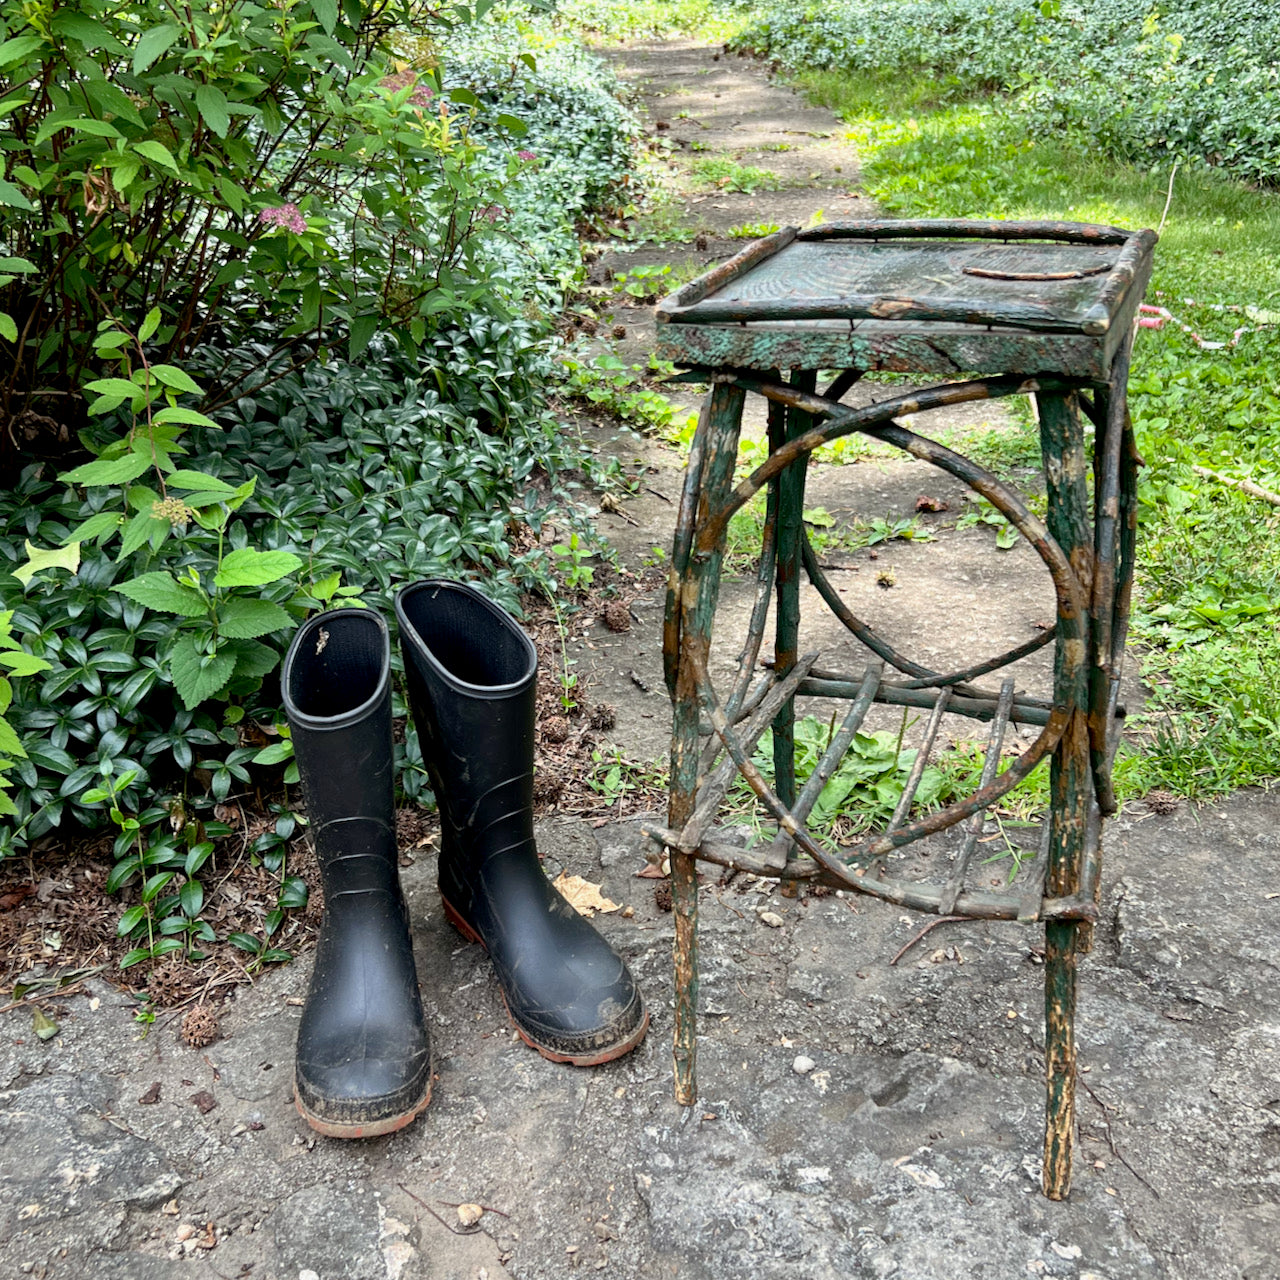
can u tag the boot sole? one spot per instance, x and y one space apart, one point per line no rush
454 917
370 1129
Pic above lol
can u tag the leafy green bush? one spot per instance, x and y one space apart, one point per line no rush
355 474
1190 80
221 163
359 446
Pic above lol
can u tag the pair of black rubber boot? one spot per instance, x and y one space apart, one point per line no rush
363 1059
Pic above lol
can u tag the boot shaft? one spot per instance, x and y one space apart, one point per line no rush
471 673
336 684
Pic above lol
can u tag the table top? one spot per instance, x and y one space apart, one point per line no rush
1058 295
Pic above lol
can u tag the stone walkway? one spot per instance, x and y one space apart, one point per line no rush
907 1147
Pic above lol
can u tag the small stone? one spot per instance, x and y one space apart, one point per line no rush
1065 1250
185 1232
204 1101
307 1274
170 1208
803 1064
151 1097
469 1214
771 918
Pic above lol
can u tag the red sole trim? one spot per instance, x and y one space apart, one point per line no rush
552 1055
373 1129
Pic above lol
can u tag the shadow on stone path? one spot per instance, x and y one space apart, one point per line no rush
908 1148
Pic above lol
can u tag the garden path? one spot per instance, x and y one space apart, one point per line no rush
909 1149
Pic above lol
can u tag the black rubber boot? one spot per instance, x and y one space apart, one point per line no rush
364 1061
471 673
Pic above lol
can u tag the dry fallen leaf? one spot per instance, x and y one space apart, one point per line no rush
583 896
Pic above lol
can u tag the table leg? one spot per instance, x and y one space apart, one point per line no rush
1071 786
695 584
784 425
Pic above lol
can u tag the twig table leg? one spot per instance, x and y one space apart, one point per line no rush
1071 783
695 584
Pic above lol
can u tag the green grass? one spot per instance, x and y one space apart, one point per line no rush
1207 606
725 174
637 19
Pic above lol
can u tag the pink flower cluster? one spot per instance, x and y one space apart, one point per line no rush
526 156
421 94
287 216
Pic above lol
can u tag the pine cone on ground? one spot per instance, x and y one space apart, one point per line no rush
200 1027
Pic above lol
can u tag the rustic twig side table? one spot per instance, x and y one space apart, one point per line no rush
998 309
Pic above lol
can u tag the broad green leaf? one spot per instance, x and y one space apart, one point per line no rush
249 619
96 128
151 44
140 529
108 471
150 324
95 526
323 588
327 13
157 153
18 47
110 100
22 663
67 557
10 744
176 413
362 329
8 329
174 377
212 105
198 480
191 896
80 27
249 567
160 590
197 676
12 197
253 658
233 195
293 892
131 919
124 172
114 387
276 753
